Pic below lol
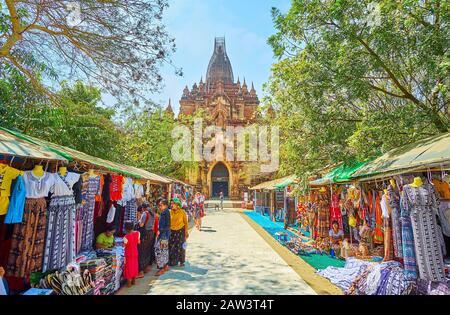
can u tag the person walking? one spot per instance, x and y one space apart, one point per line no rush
221 199
131 241
162 238
178 233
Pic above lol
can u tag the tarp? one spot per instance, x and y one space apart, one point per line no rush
15 146
340 174
271 185
74 155
285 183
427 153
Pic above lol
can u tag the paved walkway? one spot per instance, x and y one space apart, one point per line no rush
228 257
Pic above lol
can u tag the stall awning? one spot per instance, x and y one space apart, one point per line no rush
271 185
427 153
69 154
16 146
342 173
285 183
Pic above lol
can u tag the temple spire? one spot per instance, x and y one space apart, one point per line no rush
169 109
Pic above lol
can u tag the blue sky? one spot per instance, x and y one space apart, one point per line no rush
246 25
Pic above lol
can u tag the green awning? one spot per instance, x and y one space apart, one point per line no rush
340 174
68 154
427 153
271 185
13 145
285 183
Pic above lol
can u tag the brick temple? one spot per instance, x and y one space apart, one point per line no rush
225 102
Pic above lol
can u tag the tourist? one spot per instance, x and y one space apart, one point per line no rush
145 228
131 241
4 290
105 240
221 199
336 238
197 211
162 238
178 233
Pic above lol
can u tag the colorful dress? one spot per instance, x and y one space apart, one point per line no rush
91 188
409 255
323 215
28 239
394 205
423 206
131 267
60 246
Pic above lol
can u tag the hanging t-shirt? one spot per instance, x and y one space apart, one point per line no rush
138 190
116 187
17 202
7 175
63 184
128 190
38 187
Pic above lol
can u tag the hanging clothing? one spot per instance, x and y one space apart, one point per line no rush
91 188
28 240
323 215
385 210
17 202
422 204
378 232
444 216
7 175
116 187
128 190
38 187
130 212
60 247
106 192
78 227
394 205
409 255
131 268
335 211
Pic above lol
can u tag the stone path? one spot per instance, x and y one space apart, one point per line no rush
228 257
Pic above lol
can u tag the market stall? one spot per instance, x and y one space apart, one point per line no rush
59 200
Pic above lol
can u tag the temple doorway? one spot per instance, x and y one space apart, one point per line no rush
220 178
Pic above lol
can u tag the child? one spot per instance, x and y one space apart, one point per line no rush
130 242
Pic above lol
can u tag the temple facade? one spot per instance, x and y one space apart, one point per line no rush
223 102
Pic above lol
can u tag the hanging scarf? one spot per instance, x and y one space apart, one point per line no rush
378 232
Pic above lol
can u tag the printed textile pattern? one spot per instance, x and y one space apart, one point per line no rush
422 204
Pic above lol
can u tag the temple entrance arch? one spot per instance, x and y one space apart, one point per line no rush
220 179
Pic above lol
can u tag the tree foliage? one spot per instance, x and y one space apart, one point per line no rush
357 78
80 123
118 45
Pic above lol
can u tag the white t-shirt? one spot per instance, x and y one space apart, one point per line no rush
60 188
138 190
38 187
128 190
384 206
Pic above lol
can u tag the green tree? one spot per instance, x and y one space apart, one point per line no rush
79 123
119 45
357 78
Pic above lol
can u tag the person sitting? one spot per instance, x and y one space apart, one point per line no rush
336 238
4 290
105 240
